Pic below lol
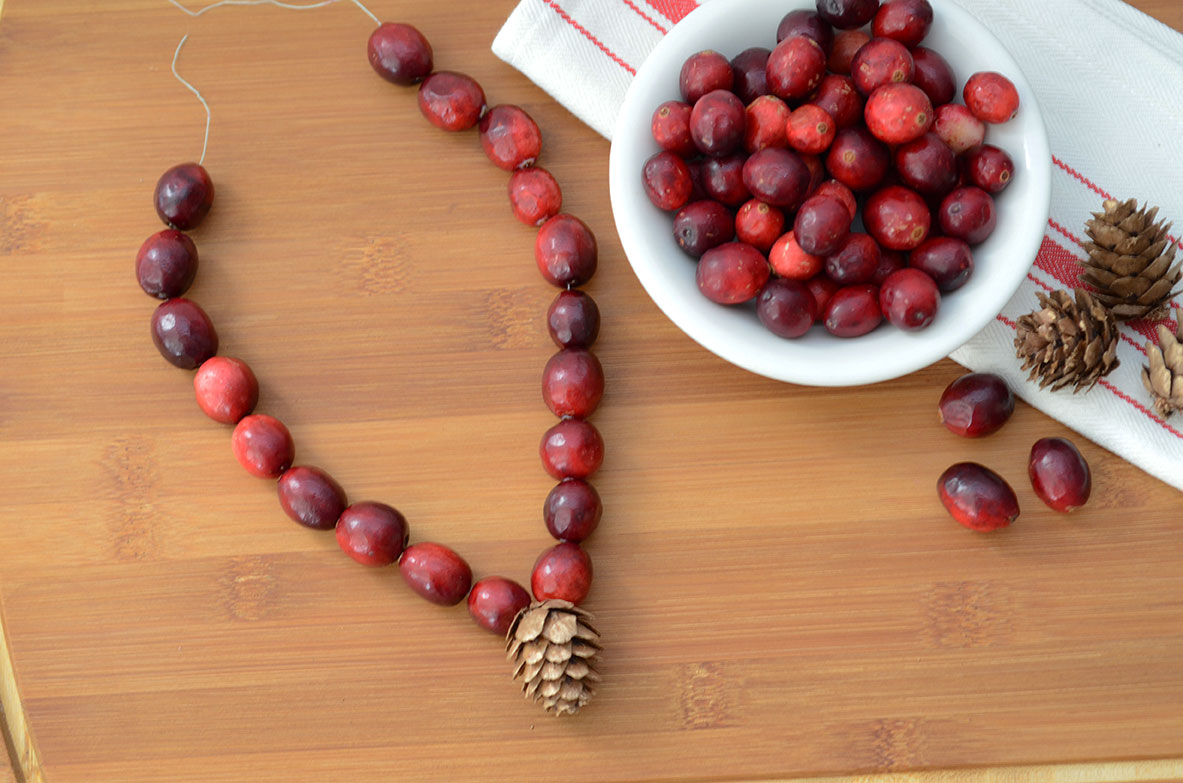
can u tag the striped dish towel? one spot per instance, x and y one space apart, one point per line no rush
1109 80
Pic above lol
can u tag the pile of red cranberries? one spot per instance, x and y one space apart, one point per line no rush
771 158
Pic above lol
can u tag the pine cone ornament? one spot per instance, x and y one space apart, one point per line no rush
1130 260
1164 377
554 652
1067 342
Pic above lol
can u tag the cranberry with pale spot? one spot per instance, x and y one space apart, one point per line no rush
436 573
495 601
510 137
857 159
311 497
855 260
399 53
786 308
573 320
909 299
565 250
226 389
947 260
184 195
976 405
759 224
563 572
881 61
853 311
373 534
702 225
732 273
898 113
795 68
838 98
958 127
1059 474
749 71
572 510
990 168
991 97
535 196
766 122
897 217
977 497
573 448
704 72
183 333
717 123
263 445
166 264
968 214
811 129
573 383
671 128
451 101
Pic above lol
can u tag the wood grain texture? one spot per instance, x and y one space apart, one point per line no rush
782 595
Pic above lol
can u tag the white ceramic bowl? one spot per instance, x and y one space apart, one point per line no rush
819 359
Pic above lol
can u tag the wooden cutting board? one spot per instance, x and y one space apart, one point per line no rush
781 593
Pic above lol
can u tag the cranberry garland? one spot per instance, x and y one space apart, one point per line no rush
375 534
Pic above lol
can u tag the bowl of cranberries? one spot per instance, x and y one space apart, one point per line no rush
830 193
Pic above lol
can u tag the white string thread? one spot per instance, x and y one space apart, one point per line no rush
200 97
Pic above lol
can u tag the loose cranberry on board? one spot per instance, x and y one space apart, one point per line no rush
1059 474
977 497
976 404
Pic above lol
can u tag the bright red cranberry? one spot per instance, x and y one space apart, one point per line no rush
777 176
573 320
226 389
183 333
183 196
958 128
732 273
976 404
906 21
853 311
991 97
702 73
564 571
898 113
898 218
565 250
667 181
436 573
855 260
535 196
857 159
927 165
311 497
671 128
821 225
823 290
572 510
451 101
790 261
166 264
722 178
889 262
847 14
495 601
1059 474
948 261
573 383
748 68
933 75
805 22
717 123
846 46
572 448
702 225
909 299
882 61
835 189
400 53
977 497
810 129
510 137
838 98
990 168
759 224
262 445
786 308
373 534
968 213
765 122
795 68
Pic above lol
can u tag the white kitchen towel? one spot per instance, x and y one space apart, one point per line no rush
1110 83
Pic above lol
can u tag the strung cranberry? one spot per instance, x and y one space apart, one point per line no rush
262 445
823 290
572 448
835 189
451 101
847 14
786 308
889 262
821 225
436 573
183 333
991 97
667 181
722 178
564 572
565 250
857 159
906 21
777 176
898 218
704 72
853 311
572 510
927 165
909 299
990 168
805 22
226 389
166 264
573 320
184 195
898 113
976 404
968 213
846 46
810 129
510 137
1059 474
373 534
732 273
933 75
795 68
702 225
400 53
957 127
855 260
495 601
717 123
948 261
535 196
748 68
882 61
838 98
765 121
311 497
671 128
977 497
573 383
790 261
759 224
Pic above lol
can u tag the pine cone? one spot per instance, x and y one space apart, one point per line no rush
1066 342
554 651
1164 377
1130 259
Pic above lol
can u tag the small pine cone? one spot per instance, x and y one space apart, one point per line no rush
1067 342
554 651
1130 261
1164 377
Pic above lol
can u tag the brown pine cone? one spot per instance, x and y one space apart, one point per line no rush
554 651
1130 261
1067 342
1163 378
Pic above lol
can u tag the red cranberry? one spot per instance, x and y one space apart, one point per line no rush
976 404
759 224
882 61
777 176
898 113
696 166
451 101
786 308
748 68
436 573
373 534
817 172
855 260
573 320
839 99
702 73
853 311
495 601
977 497
573 383
991 97
564 572
400 53
898 218
166 264
565 250
906 21
847 14
958 128
933 75
226 389
732 273
909 299
928 165
846 46
572 448
807 23
835 189
667 181
857 159
572 510
722 178
717 123
968 213
535 196
946 260
766 119
810 129
795 68
510 137
789 260
889 262
702 225
262 445
311 497
821 225
823 289
990 168
1059 474
183 196
671 128
183 333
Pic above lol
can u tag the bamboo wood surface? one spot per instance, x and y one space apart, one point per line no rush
782 595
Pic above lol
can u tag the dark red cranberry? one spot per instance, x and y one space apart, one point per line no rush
821 225
835 189
495 601
854 261
262 445
823 289
906 21
847 14
976 404
968 213
817 172
958 128
565 250
838 97
373 534
226 389
882 61
732 273
990 168
451 101
909 299
667 181
573 383
786 308
184 195
853 311
977 497
1059 474
564 572
805 22
765 123
510 137
991 97
535 196
572 510
722 178
436 573
671 128
857 159
573 448
400 53
846 46
702 225
166 264
777 176
898 113
704 72
897 217
696 166
573 320
717 123
795 68
933 75
748 68
183 333
889 262
927 165
948 261
311 497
